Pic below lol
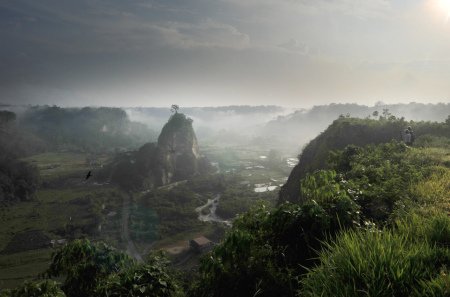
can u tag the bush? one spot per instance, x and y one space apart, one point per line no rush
45 288
151 279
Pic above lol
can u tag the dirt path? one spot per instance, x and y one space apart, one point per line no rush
126 232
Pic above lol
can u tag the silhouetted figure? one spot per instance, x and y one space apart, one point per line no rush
407 137
88 175
412 134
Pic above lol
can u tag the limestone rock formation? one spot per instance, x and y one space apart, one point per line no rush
177 151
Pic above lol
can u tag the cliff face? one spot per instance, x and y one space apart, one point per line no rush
177 151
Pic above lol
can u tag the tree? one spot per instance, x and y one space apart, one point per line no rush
174 108
151 279
85 266
6 117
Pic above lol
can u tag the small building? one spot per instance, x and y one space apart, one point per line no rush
201 244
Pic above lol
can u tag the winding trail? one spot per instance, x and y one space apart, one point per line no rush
126 232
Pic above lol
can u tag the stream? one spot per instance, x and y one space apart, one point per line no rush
212 216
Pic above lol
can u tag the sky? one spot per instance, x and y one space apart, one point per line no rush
292 53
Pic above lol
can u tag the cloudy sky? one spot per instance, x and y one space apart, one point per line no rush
293 53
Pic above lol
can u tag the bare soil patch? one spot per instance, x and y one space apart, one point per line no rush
177 248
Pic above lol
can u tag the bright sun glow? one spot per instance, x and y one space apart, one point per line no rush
443 6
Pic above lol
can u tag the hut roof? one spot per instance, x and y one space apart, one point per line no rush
201 240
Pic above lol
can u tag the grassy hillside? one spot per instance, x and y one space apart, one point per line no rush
359 132
375 223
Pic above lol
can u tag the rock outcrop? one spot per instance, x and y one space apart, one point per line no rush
177 151
173 158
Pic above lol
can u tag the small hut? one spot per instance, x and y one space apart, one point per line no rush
200 244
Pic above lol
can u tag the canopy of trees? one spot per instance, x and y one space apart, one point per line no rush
87 129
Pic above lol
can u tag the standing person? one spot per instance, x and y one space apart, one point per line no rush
407 137
412 134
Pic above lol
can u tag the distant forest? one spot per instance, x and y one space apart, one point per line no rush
303 125
83 130
35 129
283 125
30 130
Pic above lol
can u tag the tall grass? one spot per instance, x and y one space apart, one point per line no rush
435 190
410 259
385 263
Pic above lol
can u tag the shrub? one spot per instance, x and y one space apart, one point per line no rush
45 288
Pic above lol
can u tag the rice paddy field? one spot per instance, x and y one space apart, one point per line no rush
69 207
253 164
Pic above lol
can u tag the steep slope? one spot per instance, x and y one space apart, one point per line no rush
173 158
177 151
345 131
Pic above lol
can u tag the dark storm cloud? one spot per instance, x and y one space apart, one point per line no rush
219 52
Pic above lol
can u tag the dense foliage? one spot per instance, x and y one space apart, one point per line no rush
371 220
46 288
18 179
85 265
16 142
87 129
238 198
175 209
92 269
371 224
352 131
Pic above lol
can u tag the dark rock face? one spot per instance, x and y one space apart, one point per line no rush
173 158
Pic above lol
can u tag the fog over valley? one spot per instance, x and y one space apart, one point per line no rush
224 148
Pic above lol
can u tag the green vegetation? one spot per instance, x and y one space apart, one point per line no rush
16 267
175 209
238 198
27 228
374 223
16 142
144 224
93 269
385 263
58 166
87 130
353 131
85 265
370 218
45 288
18 179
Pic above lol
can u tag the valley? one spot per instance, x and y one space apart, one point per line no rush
204 213
68 207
